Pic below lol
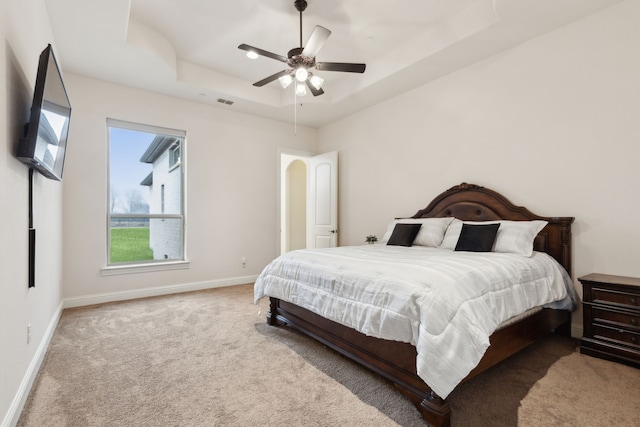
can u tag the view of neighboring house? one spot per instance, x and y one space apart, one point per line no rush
165 195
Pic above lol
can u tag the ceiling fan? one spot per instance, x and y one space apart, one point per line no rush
303 59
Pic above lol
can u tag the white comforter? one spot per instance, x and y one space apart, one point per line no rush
445 303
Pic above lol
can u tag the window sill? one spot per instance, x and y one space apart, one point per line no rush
143 268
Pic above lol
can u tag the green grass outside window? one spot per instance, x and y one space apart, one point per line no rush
130 245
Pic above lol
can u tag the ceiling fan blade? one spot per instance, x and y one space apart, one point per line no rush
314 91
262 52
341 66
272 78
315 42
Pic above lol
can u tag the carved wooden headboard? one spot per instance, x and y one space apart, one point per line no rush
470 202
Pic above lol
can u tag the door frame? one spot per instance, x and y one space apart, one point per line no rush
281 224
308 159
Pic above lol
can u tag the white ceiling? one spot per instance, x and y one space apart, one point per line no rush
189 48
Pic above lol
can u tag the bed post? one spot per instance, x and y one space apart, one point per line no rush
435 411
272 315
565 242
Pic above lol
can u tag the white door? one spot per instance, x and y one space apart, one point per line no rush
322 201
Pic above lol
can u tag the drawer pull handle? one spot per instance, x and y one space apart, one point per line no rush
634 321
634 300
634 340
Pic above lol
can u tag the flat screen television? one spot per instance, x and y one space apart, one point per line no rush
45 143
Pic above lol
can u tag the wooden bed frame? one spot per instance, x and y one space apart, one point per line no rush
395 360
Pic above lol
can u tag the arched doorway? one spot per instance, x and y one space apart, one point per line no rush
293 202
308 201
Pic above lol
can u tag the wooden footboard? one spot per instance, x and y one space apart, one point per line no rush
396 361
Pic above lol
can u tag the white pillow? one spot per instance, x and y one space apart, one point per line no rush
517 236
452 234
513 236
430 234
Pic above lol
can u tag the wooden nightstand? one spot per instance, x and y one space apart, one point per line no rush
611 308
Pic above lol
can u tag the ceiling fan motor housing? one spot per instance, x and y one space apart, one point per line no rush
296 59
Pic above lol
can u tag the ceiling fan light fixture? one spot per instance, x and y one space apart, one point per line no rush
301 60
302 74
316 81
285 81
301 89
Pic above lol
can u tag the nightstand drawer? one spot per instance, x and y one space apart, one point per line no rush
611 317
616 334
616 318
619 298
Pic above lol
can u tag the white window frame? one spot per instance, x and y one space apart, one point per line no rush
150 265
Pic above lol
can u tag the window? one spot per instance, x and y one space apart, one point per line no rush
146 219
174 155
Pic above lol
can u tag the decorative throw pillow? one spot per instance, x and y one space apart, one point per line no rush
404 234
430 234
477 238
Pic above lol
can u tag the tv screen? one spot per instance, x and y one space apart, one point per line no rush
45 144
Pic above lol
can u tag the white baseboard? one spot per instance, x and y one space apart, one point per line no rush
157 291
13 415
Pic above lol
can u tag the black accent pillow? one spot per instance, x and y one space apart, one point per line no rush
477 237
404 234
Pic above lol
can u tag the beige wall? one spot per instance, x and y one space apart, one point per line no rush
552 124
24 33
232 188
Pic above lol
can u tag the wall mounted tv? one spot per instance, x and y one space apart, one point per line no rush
45 143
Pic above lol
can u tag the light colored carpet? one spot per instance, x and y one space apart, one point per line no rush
208 358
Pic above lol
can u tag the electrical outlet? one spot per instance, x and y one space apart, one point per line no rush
28 333
243 262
